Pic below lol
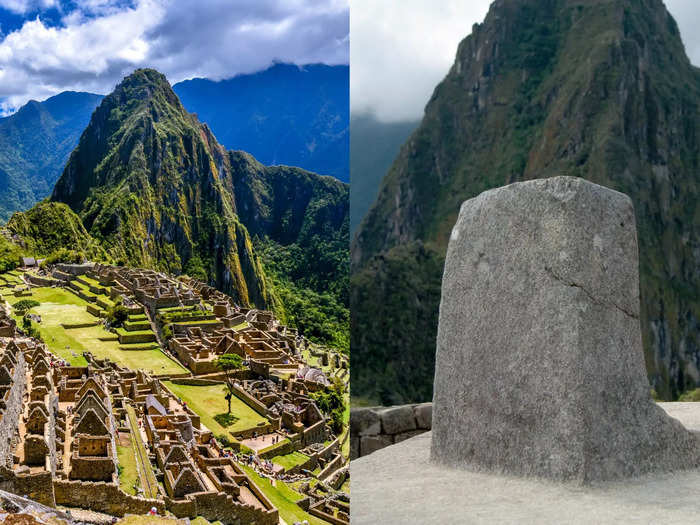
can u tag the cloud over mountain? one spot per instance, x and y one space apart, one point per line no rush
48 46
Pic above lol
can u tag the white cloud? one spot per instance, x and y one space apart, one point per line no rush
687 15
96 46
25 6
400 50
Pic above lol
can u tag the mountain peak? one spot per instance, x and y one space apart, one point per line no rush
147 85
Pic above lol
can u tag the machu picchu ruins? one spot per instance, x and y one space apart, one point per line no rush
121 417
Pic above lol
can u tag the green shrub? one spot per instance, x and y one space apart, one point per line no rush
117 315
26 304
690 395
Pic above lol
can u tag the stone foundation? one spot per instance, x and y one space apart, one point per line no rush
373 428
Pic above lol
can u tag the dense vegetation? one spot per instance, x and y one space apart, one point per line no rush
331 402
34 145
53 229
312 285
601 90
10 254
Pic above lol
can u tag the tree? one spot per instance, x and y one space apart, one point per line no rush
117 314
26 304
229 363
195 268
331 402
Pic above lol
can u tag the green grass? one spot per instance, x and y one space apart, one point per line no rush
90 280
288 461
140 453
203 322
122 331
129 475
208 401
59 306
275 446
284 498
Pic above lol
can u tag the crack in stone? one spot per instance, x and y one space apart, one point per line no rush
589 294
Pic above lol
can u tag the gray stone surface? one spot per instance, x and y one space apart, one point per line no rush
398 419
369 444
424 415
398 438
365 423
539 367
399 484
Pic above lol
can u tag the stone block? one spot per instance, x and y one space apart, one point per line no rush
424 415
539 367
369 444
398 419
364 422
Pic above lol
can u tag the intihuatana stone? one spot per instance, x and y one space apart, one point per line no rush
539 367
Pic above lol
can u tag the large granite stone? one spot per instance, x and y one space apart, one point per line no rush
539 367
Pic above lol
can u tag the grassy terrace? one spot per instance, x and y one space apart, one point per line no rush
128 475
290 460
203 322
148 478
208 402
61 306
284 498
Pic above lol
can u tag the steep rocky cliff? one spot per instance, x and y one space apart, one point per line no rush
600 89
153 185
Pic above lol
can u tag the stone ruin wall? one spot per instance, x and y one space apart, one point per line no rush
102 497
11 414
110 499
373 428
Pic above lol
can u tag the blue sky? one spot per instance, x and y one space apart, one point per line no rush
49 46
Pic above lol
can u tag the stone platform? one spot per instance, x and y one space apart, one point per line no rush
399 484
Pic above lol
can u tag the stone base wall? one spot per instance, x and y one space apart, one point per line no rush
373 428
37 280
74 269
38 487
102 497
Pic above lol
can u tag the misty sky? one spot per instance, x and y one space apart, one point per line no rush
49 46
400 49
